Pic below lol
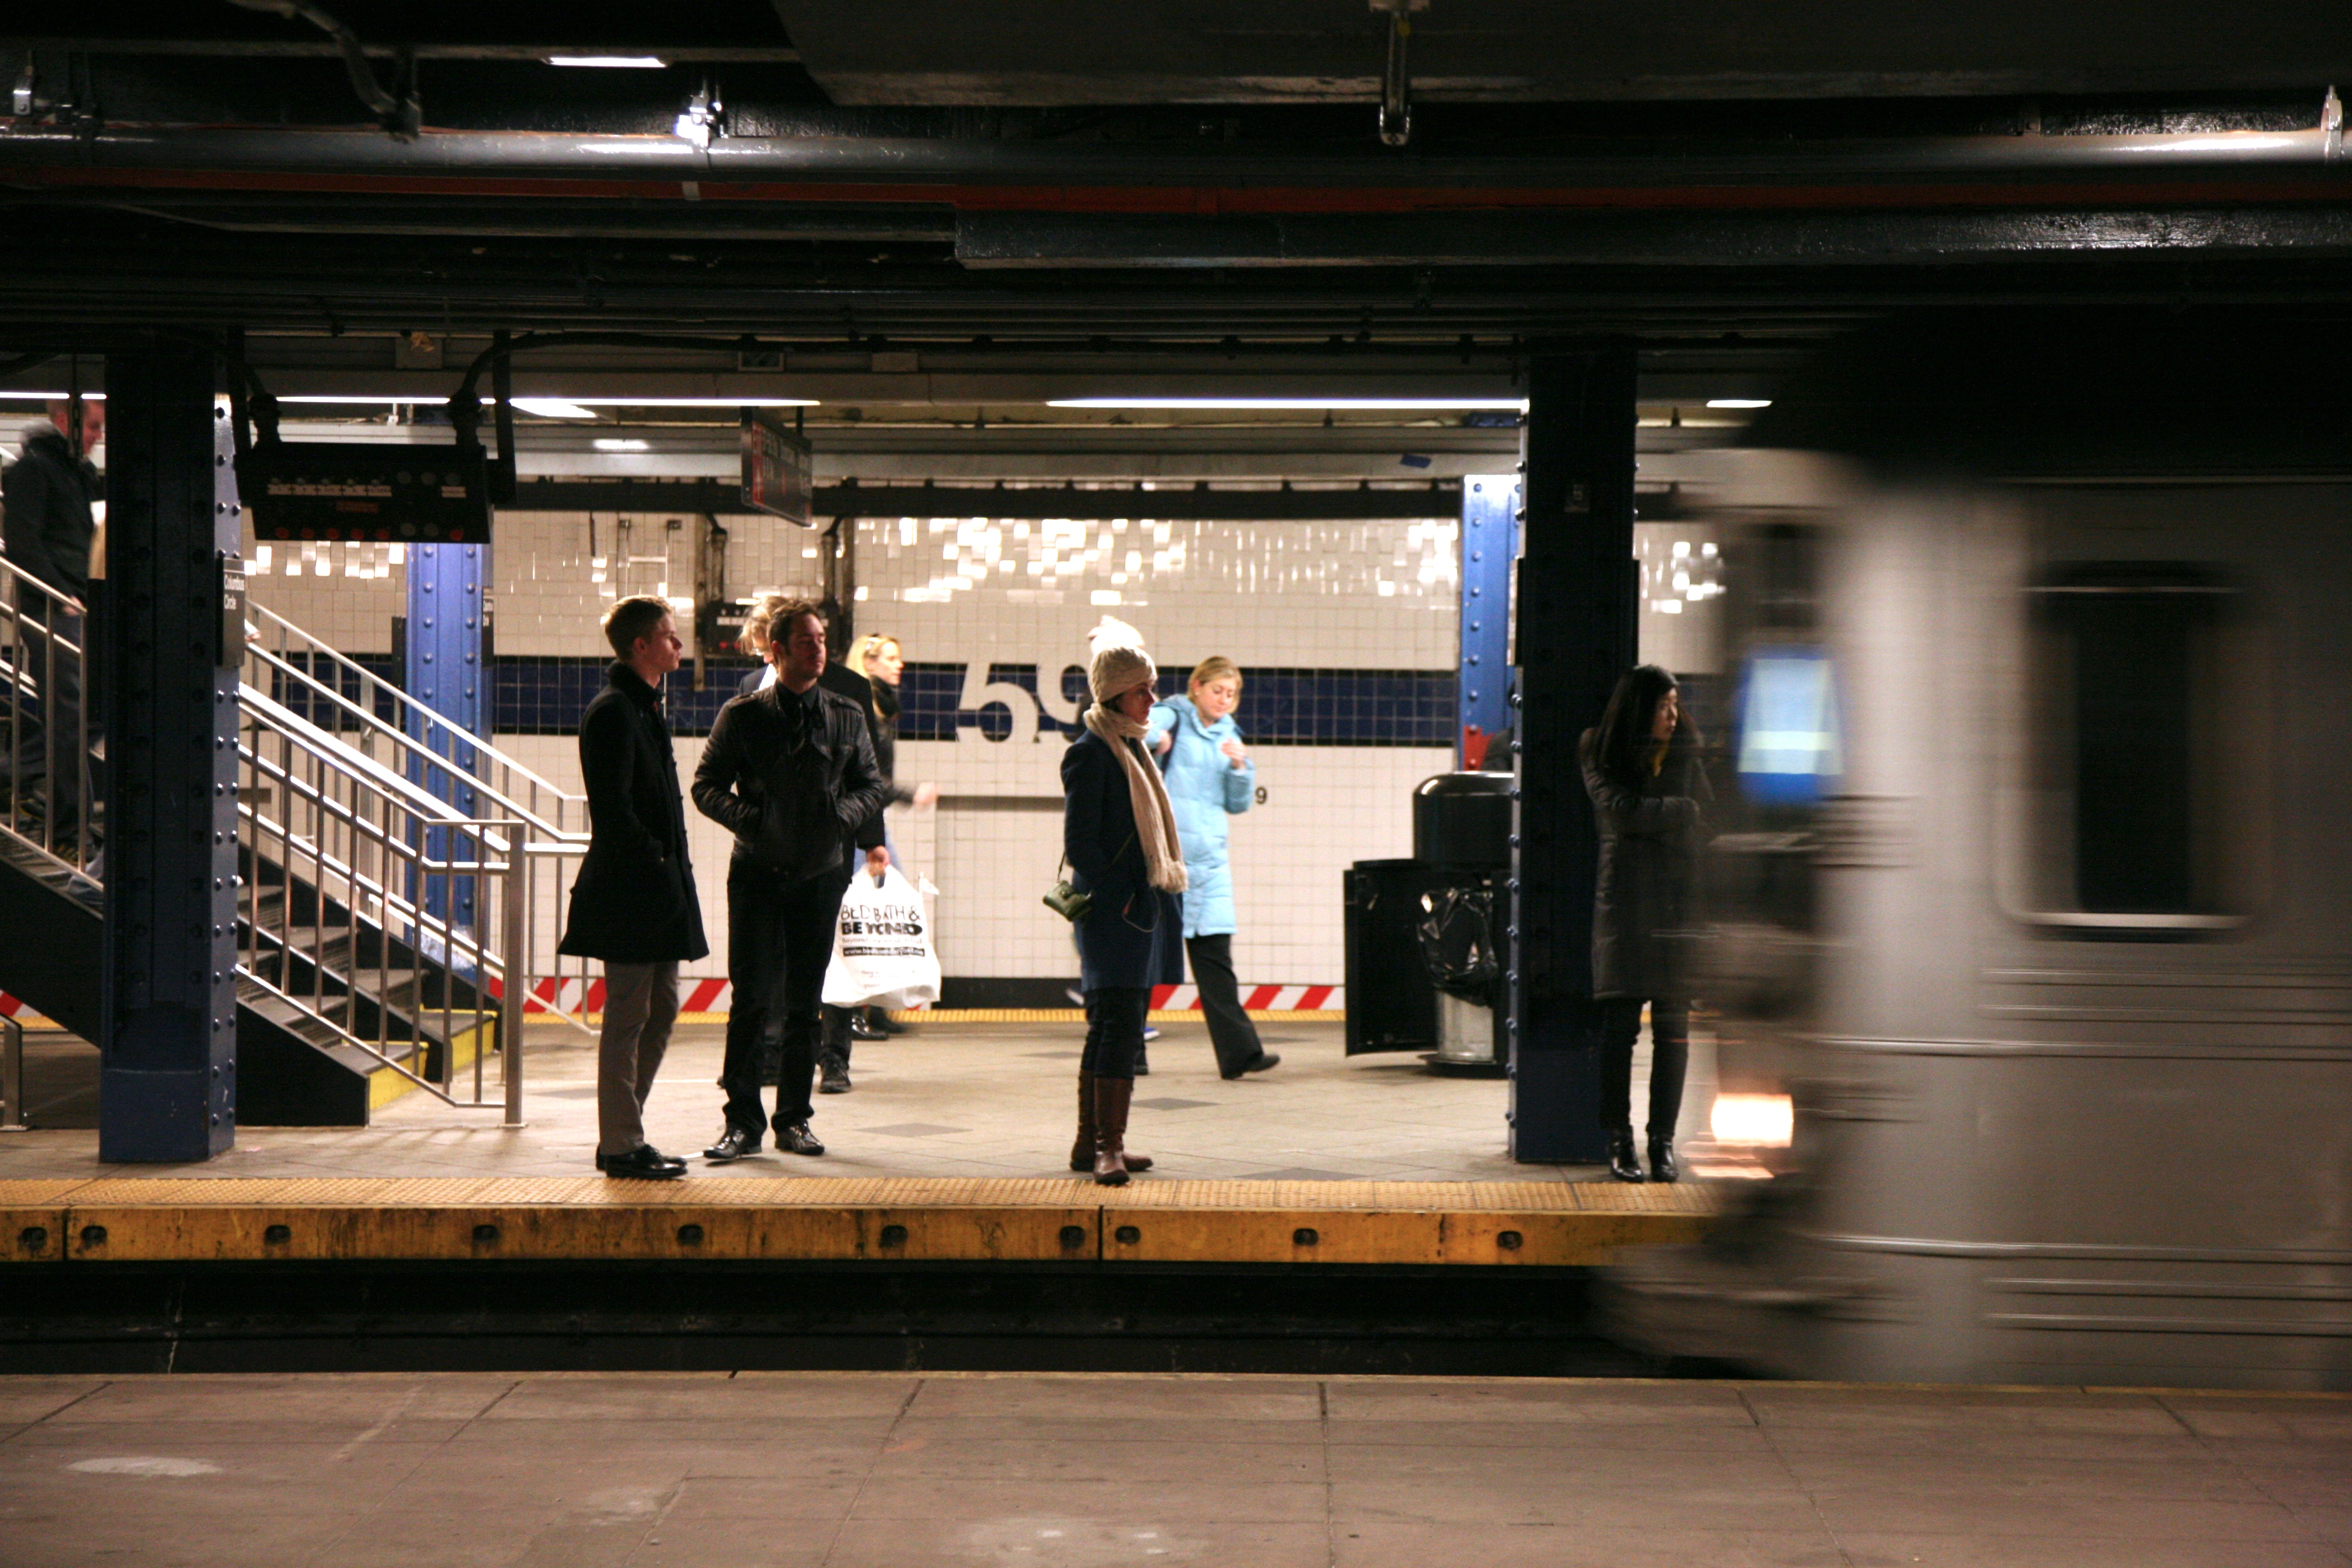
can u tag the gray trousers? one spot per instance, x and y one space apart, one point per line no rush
640 1005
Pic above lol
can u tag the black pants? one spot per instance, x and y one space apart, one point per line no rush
779 940
1620 1022
1230 1034
51 740
1115 1017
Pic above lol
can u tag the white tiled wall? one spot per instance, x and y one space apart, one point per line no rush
1333 596
1375 595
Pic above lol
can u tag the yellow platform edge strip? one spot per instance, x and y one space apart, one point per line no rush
1514 1224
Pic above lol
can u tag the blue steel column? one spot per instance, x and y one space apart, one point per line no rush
1490 533
1578 595
167 1086
445 674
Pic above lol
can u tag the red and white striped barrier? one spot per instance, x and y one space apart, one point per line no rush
1256 999
713 997
13 1007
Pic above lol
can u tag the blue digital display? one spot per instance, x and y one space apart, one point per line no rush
1789 746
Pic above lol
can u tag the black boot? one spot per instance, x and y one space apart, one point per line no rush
1662 1159
1622 1162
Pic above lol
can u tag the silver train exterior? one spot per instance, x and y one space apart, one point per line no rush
2058 966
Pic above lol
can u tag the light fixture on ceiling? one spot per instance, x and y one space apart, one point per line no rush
576 403
610 62
54 396
553 408
1312 405
1739 402
621 444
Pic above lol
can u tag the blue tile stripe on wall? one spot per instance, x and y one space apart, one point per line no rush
1280 707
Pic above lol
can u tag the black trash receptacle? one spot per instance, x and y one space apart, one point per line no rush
1392 1001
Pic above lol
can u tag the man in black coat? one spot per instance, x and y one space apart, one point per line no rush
48 526
790 772
840 1025
634 905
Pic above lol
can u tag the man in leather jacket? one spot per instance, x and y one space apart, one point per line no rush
789 771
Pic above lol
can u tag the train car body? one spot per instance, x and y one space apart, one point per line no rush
2055 958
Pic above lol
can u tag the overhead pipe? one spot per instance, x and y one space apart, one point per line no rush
1011 176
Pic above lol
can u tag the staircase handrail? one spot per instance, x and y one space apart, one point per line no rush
473 778
330 748
402 702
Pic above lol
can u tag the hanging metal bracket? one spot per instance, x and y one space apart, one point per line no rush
1396 82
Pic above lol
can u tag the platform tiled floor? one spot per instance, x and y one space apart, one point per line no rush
945 1099
876 1470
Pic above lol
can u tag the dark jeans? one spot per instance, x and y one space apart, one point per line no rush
55 672
779 940
836 1039
1230 1034
1115 1017
1620 1022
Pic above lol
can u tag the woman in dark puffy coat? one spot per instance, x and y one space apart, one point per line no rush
1642 771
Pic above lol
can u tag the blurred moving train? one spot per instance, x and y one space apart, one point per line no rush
2033 878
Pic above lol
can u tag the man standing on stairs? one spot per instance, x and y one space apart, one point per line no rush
790 772
634 905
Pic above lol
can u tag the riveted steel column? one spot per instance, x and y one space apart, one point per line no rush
167 1088
1577 599
445 586
1490 534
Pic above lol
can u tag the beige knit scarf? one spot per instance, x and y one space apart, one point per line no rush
1155 819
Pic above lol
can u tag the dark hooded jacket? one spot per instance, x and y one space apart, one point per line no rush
634 901
49 522
1645 895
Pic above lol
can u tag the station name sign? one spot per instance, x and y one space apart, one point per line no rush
364 491
776 470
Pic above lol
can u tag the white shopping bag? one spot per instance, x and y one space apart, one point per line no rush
882 953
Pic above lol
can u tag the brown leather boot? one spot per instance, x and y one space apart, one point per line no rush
1082 1153
1111 1096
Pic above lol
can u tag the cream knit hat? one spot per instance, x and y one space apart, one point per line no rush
1118 669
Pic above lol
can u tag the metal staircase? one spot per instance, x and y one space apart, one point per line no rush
391 867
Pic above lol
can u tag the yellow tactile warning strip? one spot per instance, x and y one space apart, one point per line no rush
183 1219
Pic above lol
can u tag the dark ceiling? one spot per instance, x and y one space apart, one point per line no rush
1043 170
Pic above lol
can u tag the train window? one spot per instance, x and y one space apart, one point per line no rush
2133 743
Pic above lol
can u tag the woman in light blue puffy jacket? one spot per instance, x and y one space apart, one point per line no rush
1210 777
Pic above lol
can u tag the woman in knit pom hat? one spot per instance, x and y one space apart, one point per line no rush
1119 833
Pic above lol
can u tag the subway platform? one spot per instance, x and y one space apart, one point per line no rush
1330 1214
875 1470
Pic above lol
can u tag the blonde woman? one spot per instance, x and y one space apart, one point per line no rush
1210 779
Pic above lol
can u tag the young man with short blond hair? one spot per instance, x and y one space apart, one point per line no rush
634 905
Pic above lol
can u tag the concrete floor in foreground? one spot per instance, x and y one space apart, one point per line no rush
846 1470
944 1100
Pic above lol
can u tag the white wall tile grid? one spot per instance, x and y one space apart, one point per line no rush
973 591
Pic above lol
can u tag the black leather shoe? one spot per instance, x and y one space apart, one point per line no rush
884 1022
643 1163
732 1146
862 1029
835 1075
797 1139
1662 1160
1623 1164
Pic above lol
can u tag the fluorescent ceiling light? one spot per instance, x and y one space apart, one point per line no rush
1314 405
58 397
576 403
1739 402
621 444
610 62
553 408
